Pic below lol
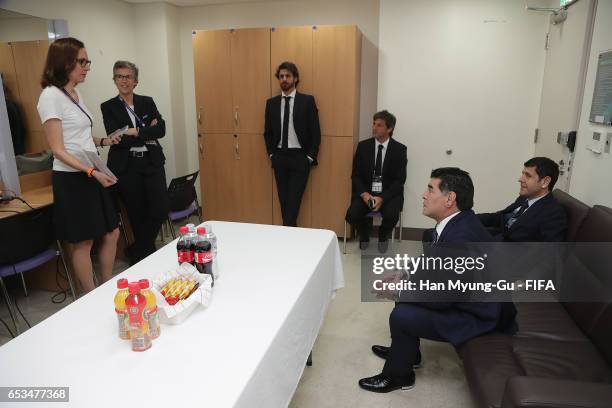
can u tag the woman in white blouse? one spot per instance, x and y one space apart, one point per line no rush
83 208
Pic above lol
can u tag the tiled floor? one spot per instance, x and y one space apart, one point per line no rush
341 355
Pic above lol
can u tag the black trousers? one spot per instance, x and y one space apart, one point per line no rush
356 215
291 170
143 191
408 323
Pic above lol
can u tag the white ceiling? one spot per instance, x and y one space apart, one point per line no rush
6 14
183 3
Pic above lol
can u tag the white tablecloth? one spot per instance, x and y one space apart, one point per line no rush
248 349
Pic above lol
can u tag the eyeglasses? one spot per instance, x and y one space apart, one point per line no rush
120 77
83 62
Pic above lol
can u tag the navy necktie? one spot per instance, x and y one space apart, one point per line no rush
378 164
516 214
285 141
434 236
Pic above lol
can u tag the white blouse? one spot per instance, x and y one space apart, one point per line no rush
76 127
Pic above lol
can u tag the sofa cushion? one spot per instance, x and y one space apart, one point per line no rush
489 362
548 321
595 262
575 211
601 333
579 361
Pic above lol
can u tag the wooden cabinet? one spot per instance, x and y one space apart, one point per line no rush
336 59
250 50
235 74
331 180
218 175
23 63
292 44
213 81
7 67
231 79
255 179
235 178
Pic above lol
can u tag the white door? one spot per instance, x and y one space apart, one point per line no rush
563 85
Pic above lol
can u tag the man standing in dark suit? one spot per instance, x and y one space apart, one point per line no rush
535 216
292 134
379 174
138 160
448 200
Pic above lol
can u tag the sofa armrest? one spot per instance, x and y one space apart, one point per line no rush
530 392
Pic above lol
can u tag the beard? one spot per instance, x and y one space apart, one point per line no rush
285 86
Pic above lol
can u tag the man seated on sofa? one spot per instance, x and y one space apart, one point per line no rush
448 200
535 216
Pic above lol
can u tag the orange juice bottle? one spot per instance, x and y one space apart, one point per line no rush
136 305
151 316
120 309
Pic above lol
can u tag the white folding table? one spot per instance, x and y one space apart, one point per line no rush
248 349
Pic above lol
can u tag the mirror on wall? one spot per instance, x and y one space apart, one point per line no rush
24 41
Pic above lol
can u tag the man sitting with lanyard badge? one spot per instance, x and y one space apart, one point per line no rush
138 160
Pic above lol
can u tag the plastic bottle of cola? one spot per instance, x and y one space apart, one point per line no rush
204 256
183 247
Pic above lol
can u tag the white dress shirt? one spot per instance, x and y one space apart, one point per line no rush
133 119
384 151
292 140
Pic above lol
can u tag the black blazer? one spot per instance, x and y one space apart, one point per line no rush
115 117
305 123
544 221
466 320
393 170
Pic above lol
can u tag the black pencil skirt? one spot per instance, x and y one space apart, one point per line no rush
82 208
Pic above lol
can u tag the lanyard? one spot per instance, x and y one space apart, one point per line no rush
78 106
139 121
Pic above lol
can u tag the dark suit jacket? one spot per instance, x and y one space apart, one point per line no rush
305 123
393 170
544 221
116 116
465 320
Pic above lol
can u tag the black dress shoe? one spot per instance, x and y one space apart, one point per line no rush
363 245
383 352
382 383
383 246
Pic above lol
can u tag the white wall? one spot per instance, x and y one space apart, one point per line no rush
23 29
590 180
464 76
146 34
155 45
363 13
106 29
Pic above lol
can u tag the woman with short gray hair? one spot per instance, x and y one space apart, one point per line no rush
138 160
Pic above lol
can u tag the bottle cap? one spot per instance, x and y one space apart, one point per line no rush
134 287
201 231
144 283
122 283
183 230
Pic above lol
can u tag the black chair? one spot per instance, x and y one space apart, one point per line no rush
183 200
29 242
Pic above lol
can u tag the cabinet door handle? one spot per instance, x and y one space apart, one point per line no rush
236 147
200 116
236 116
201 149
